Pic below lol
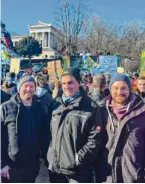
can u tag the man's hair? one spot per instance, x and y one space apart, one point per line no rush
141 78
41 81
108 77
12 74
99 80
7 85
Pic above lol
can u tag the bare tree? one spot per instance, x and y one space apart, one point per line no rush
100 35
132 41
126 40
70 17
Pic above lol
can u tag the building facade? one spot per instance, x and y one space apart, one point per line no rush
47 36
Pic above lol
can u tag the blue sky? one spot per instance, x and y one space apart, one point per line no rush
18 14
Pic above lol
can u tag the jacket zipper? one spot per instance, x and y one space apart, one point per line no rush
118 125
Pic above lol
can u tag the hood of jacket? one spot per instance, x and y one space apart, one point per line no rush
97 95
40 91
16 99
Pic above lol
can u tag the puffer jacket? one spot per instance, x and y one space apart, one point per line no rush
123 158
24 133
76 135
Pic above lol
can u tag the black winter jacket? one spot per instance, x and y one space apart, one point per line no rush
76 132
45 98
142 95
24 133
4 96
99 97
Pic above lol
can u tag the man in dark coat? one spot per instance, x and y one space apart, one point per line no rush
141 87
96 91
24 130
4 96
43 93
76 130
123 158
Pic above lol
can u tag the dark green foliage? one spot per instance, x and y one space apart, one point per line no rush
28 47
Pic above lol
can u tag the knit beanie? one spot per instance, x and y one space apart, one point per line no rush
120 77
23 79
73 72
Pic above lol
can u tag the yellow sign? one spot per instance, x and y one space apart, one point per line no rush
15 65
120 70
143 54
142 73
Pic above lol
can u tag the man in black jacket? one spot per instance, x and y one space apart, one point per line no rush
96 91
43 93
76 130
141 87
4 96
23 134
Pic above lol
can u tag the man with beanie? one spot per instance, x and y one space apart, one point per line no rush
23 133
123 158
76 131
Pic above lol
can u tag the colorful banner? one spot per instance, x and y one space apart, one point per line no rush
89 60
66 62
7 54
142 63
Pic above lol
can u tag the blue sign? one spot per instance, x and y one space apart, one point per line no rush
107 64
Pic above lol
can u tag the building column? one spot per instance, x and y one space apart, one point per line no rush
46 39
49 39
43 40
36 37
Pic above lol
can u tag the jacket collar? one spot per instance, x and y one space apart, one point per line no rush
137 108
73 105
16 99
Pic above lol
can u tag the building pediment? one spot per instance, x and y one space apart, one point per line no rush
40 24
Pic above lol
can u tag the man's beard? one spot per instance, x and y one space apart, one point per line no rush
28 98
121 101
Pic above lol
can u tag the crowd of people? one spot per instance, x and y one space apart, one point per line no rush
83 129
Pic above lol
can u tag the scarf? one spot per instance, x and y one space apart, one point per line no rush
120 111
68 100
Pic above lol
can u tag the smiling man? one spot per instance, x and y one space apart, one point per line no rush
123 160
76 131
23 127
141 87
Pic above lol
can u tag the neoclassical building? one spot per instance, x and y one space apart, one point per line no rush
46 34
